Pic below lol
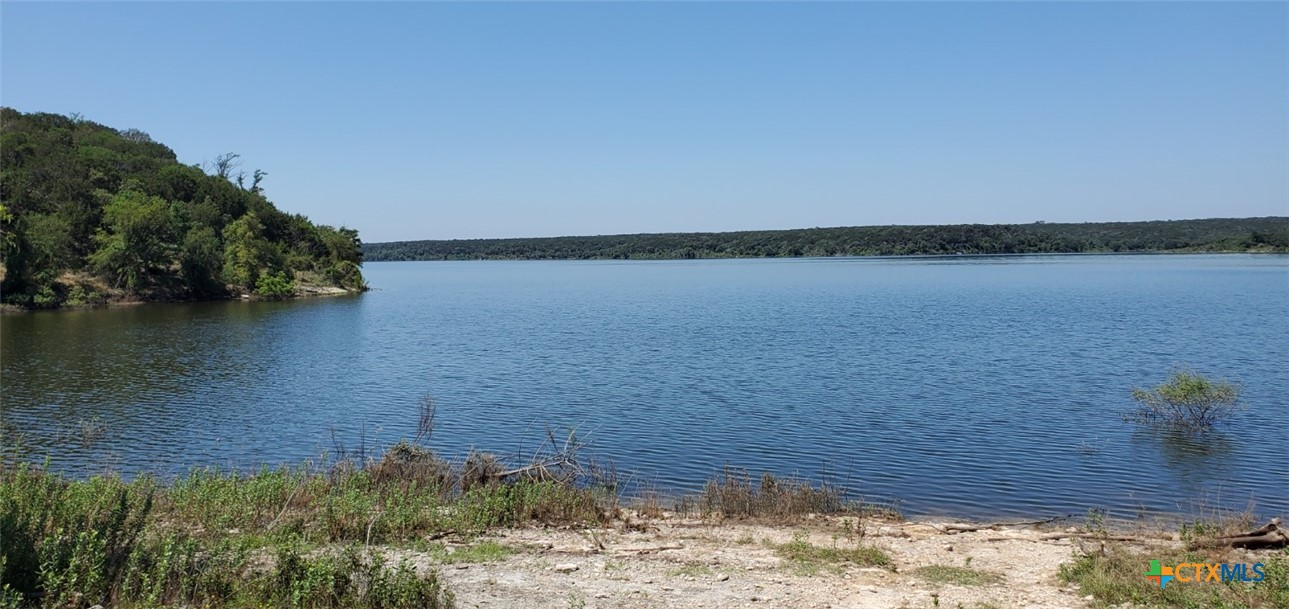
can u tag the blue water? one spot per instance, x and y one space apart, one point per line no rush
978 386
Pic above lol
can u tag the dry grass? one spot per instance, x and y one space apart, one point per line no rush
734 494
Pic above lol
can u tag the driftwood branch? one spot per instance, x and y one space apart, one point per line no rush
369 527
1269 535
1093 536
969 528
553 459
648 550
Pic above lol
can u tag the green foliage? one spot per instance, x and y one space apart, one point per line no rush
138 238
49 238
80 295
8 240
1188 400
348 578
246 252
83 198
68 540
284 537
347 275
274 286
135 544
1231 234
201 261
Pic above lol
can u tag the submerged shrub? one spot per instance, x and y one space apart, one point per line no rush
1188 400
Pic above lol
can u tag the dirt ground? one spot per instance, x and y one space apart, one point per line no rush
678 563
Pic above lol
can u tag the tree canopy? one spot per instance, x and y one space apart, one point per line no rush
85 207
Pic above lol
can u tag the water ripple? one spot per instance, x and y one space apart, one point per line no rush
968 386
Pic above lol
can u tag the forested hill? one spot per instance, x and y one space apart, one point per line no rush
90 213
1269 234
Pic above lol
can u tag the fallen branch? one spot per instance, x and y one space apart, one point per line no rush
369 526
1269 535
440 534
552 460
285 506
649 550
1094 536
951 529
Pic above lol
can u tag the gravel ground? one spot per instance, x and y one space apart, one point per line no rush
679 563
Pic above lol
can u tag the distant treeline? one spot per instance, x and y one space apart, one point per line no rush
1270 234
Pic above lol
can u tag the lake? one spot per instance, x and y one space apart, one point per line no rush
977 386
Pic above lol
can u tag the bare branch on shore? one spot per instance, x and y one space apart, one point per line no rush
950 529
1269 535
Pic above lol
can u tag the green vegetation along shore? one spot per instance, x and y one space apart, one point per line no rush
1270 234
397 532
91 214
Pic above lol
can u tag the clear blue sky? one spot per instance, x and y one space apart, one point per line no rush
429 120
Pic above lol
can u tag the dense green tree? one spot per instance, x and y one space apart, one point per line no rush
201 262
138 239
247 254
342 244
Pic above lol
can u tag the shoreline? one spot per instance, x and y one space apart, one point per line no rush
525 543
749 493
112 302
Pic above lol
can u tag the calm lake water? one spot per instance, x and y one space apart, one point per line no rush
979 386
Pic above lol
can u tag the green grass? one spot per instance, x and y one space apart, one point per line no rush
958 576
1116 578
482 552
291 537
691 571
809 559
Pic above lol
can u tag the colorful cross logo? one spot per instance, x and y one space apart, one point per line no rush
1158 574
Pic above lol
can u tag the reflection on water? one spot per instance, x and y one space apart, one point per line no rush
976 386
1195 458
